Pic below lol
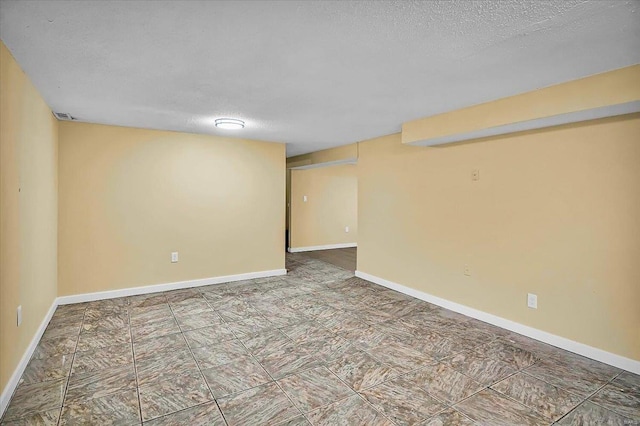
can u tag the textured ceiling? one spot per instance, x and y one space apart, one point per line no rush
311 74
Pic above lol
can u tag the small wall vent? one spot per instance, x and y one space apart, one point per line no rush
63 116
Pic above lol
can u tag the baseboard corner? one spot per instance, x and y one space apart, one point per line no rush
14 380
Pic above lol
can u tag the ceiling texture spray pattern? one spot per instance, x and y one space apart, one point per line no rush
313 74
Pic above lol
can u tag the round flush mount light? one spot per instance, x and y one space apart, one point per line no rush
229 123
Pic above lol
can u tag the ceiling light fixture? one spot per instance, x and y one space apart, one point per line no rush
229 123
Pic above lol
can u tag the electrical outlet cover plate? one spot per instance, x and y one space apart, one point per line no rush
532 301
174 257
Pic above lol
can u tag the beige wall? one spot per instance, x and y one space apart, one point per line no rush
601 90
331 155
28 211
129 197
332 204
555 213
340 153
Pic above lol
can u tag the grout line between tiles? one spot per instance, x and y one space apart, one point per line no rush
135 367
451 407
290 400
533 409
591 395
198 365
322 288
75 349
565 389
270 376
524 371
360 396
296 372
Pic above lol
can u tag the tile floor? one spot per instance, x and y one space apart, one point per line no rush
345 258
317 346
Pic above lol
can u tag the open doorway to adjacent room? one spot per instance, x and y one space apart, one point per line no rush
322 212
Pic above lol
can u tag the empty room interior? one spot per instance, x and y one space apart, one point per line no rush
320 212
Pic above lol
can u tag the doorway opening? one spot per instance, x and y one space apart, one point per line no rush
322 212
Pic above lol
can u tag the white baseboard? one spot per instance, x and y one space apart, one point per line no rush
5 397
134 291
325 247
560 342
11 386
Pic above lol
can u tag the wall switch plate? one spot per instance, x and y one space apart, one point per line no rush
19 315
174 257
304 198
467 270
346 229
475 174
532 301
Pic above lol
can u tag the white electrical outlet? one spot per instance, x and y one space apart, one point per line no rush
532 301
19 315
475 174
304 198
346 229
174 257
467 270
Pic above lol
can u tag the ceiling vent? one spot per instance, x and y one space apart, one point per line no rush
65 116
